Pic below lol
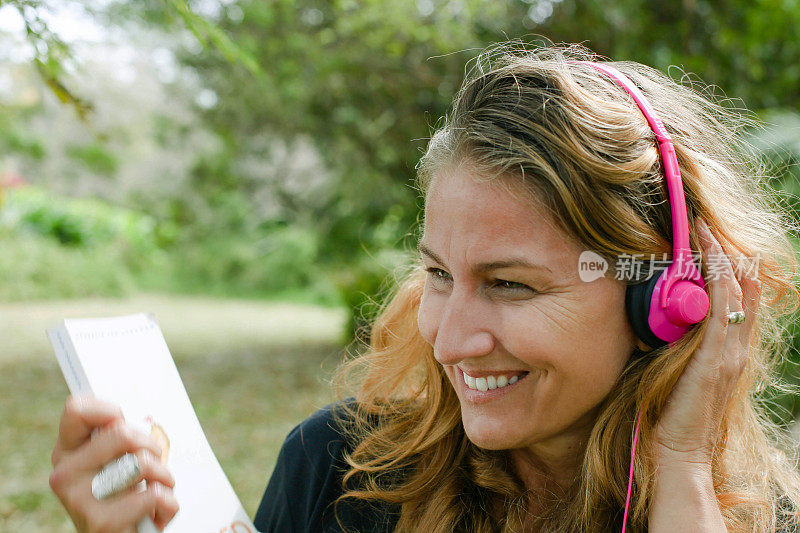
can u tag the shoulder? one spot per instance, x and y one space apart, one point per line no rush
303 474
319 439
307 477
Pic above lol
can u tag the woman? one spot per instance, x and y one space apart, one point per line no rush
501 390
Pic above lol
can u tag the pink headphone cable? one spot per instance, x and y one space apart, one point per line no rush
630 474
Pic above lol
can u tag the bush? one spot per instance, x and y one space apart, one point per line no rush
56 247
364 286
35 267
281 261
75 222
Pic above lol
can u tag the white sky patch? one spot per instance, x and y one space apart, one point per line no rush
71 23
211 8
68 20
15 48
235 13
11 21
6 82
206 98
165 63
425 7
540 10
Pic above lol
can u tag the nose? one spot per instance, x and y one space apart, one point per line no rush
464 330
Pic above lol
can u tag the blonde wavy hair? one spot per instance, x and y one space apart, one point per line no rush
574 139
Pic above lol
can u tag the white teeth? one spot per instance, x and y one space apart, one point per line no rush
488 382
469 380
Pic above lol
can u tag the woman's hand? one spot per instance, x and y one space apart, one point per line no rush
80 453
690 422
684 498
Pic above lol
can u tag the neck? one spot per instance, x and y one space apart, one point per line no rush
551 466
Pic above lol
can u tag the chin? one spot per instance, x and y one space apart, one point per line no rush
491 436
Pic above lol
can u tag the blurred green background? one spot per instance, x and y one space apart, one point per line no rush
243 169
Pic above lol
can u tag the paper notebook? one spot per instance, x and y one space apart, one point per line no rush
125 360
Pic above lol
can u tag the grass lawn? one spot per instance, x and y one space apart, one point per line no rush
252 370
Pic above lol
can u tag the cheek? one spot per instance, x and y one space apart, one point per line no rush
589 376
428 316
581 361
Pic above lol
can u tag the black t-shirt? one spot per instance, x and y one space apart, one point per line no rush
307 480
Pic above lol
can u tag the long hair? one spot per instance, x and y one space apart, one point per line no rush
576 141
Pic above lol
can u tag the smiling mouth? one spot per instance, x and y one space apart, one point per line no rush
492 382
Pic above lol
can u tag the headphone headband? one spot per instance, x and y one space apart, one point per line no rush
682 266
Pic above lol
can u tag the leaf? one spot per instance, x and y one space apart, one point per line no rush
81 106
206 31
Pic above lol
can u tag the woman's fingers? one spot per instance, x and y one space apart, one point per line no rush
157 502
750 296
73 488
746 292
124 511
166 507
717 266
752 303
110 442
82 415
72 477
152 469
741 295
91 434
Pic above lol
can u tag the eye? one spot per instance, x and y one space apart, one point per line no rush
512 286
508 284
438 273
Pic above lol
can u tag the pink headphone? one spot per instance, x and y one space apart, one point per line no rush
663 308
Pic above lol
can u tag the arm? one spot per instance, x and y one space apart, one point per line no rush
684 499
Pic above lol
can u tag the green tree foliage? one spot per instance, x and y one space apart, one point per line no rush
57 247
363 79
367 79
747 48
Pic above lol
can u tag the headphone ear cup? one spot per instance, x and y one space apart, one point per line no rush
637 306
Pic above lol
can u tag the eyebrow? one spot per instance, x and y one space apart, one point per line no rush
482 268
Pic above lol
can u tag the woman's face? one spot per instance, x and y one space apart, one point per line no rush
487 314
